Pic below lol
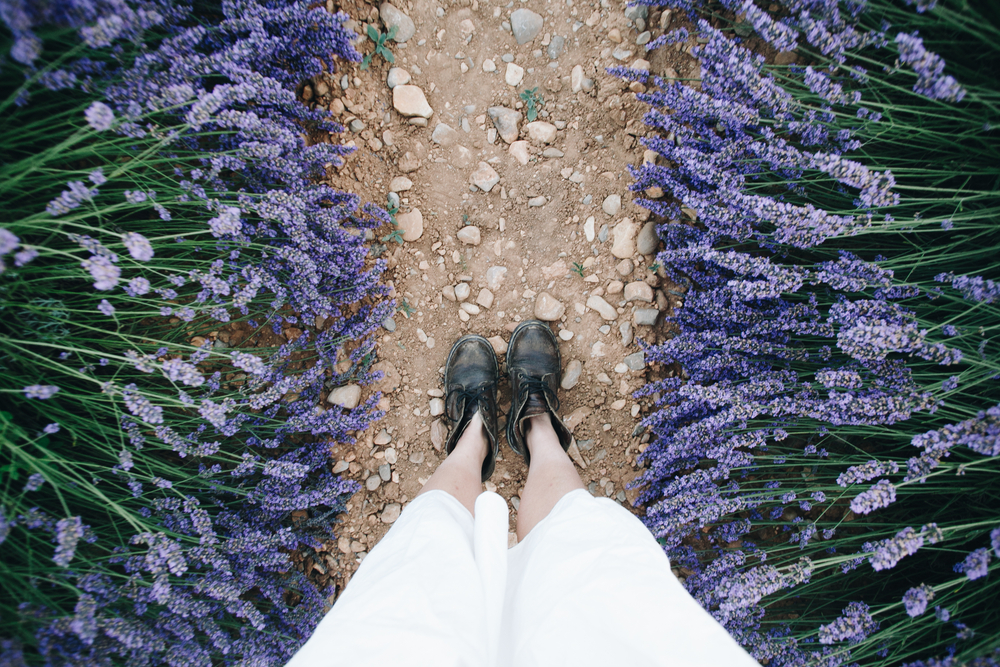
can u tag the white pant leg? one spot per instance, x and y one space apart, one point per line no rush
589 585
417 599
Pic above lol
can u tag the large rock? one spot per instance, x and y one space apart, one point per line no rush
506 121
639 291
525 24
519 151
347 396
412 224
647 240
541 132
624 243
397 77
409 101
444 135
548 308
469 235
606 310
391 16
612 204
484 177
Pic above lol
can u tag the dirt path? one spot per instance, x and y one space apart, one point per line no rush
520 240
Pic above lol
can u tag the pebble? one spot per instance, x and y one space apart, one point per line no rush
485 298
548 308
489 66
634 12
466 127
602 235
552 153
621 368
535 202
566 335
625 267
373 482
571 375
499 344
507 57
383 438
643 37
506 121
525 24
436 407
444 135
636 361
612 204
514 74
391 513
541 132
389 324
470 308
400 184
519 151
576 79
393 198
410 101
470 234
638 291
625 329
409 162
417 458
341 467
621 53
462 291
412 224
606 310
647 241
448 292
495 276
556 47
604 379
646 316
624 243
640 64
397 77
392 16
615 287
356 125
462 315
438 434
615 35
606 329
588 85
618 405
484 178
391 456
588 229
347 396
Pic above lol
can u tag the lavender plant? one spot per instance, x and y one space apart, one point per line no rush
157 189
824 459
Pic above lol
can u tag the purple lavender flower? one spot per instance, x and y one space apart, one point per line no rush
853 626
906 543
99 116
138 246
915 600
942 614
22 257
137 286
995 541
5 525
879 495
929 67
70 199
8 241
249 363
97 177
105 307
177 370
140 406
84 624
68 534
976 564
51 429
40 391
105 273
35 482
226 223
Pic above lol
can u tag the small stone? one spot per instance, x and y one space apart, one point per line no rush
417 458
484 178
643 37
548 308
647 240
519 151
625 329
525 24
604 379
552 153
507 57
785 58
646 316
438 434
606 329
391 456
383 438
624 243
412 224
612 204
640 64
356 125
571 375
566 335
618 405
588 229
409 162
400 184
506 121
444 135
495 276
638 291
347 396
621 368
636 361
393 198
485 298
576 79
499 344
615 287
470 234
466 28
341 467
514 74
588 85
615 35
373 482
470 308
397 77
392 17
606 310
391 513
410 101
621 53
489 66
541 132
462 315
436 407
448 292
535 202
462 291
625 267
556 47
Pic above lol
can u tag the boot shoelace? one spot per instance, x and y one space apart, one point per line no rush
533 385
460 397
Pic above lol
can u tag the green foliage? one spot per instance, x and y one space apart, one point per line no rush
578 269
381 49
532 101
396 234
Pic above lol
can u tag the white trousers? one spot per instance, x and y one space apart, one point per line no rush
589 585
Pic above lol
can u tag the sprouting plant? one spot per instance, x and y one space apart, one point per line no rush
396 234
578 269
381 49
406 308
654 267
533 101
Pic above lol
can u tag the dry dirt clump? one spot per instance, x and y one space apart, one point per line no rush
504 222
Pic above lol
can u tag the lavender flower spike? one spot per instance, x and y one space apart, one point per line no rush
99 116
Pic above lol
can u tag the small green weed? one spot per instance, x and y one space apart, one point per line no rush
578 269
396 234
533 101
406 309
381 49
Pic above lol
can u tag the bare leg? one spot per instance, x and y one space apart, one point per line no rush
550 476
461 473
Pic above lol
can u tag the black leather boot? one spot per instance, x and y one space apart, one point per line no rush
535 370
470 379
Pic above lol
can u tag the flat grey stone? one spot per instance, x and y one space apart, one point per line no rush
506 121
525 24
393 16
484 178
636 361
444 135
385 472
389 324
556 46
507 57
552 152
391 513
602 235
394 199
571 375
373 482
356 125
647 240
636 12
646 316
397 77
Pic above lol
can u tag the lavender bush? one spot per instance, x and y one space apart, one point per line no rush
825 455
156 189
